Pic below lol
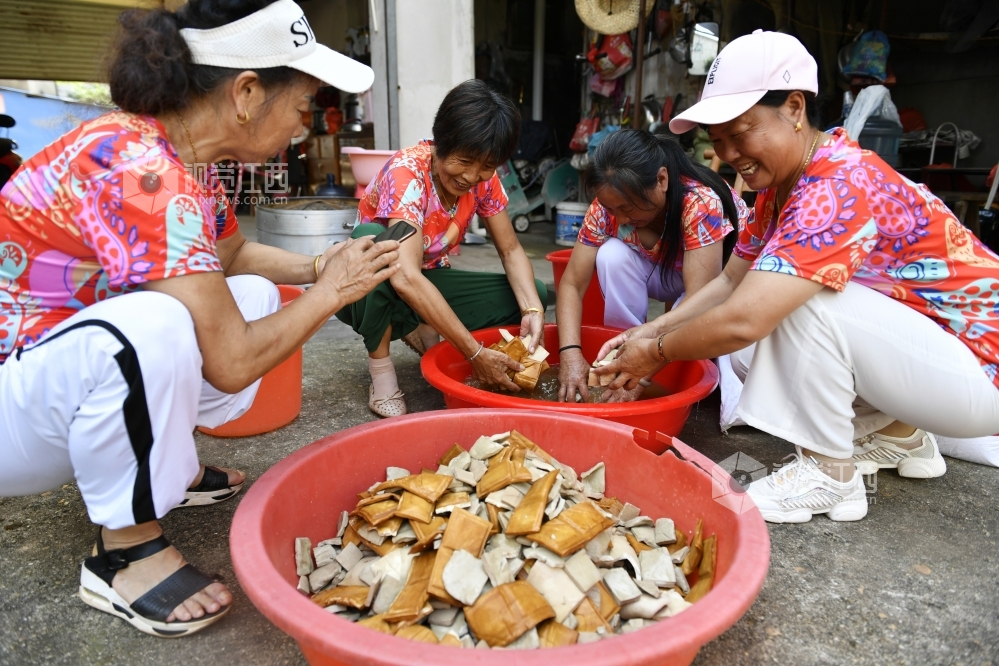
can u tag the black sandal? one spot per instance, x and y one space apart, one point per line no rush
149 612
214 488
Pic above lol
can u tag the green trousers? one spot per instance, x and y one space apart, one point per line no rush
479 300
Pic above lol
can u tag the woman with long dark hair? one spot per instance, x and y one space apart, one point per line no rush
656 229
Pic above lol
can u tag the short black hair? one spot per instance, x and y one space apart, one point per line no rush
476 121
151 71
776 98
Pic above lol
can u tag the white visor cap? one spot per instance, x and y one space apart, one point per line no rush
744 72
276 36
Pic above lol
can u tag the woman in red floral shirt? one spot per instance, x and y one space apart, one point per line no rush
132 308
437 186
874 312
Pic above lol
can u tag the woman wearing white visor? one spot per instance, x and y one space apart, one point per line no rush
132 309
874 312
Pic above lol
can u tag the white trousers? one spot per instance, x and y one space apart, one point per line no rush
628 280
111 398
844 365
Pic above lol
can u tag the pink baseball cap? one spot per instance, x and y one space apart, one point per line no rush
743 73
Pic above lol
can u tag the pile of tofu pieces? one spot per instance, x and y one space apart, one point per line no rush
517 349
503 547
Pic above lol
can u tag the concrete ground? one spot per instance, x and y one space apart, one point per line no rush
916 582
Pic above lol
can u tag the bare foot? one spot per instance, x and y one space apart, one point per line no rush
139 577
235 476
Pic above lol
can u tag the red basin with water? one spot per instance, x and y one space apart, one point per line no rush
687 382
303 495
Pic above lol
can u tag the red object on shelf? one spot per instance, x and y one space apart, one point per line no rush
446 369
593 299
279 398
303 495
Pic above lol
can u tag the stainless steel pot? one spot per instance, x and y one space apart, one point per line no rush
307 225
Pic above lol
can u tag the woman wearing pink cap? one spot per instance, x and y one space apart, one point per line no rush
132 308
874 312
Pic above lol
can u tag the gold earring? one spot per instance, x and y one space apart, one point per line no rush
797 126
247 113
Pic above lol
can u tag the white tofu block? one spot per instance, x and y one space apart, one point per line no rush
657 567
681 579
335 541
516 564
395 563
599 545
639 521
508 546
324 554
303 585
676 604
680 555
588 637
542 554
393 473
443 617
594 480
629 512
445 470
371 534
527 641
649 588
478 469
621 586
405 534
485 448
460 461
632 625
665 532
349 556
466 477
582 571
540 355
506 335
646 534
464 577
322 576
557 589
496 567
570 621
342 524
388 590
303 556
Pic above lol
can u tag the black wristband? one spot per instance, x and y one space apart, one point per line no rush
562 349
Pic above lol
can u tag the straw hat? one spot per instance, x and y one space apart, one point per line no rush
611 17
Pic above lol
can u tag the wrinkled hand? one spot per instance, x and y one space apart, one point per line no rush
573 376
623 395
635 359
330 251
643 332
533 324
359 266
490 368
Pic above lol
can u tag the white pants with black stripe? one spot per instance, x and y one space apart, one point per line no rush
111 398
844 365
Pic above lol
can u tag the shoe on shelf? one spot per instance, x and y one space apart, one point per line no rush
799 490
876 451
393 405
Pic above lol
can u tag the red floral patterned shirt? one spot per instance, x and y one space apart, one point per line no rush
404 190
97 213
704 223
852 217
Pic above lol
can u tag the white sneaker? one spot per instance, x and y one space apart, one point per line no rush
877 451
799 490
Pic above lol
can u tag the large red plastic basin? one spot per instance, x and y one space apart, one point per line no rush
593 299
303 495
279 397
687 381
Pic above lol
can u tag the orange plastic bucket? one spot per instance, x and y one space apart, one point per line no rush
279 398
593 299
446 369
303 495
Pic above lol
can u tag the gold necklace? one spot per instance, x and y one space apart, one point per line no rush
801 172
189 140
440 198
